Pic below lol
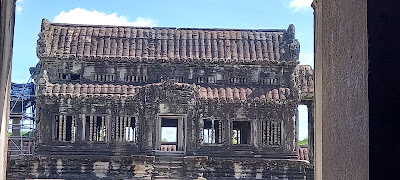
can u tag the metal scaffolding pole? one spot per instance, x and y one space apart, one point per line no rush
22 124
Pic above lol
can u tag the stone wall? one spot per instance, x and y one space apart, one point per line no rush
7 19
170 98
151 167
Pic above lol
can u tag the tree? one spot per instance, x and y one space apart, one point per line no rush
304 142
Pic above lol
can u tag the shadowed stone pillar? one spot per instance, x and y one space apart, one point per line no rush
310 109
341 90
16 130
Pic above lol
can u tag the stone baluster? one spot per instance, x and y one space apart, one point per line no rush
73 129
279 132
103 135
212 132
129 131
91 128
121 130
95 128
64 128
268 132
264 133
275 133
117 129
60 127
220 131
125 124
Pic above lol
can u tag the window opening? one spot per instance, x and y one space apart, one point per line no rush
238 80
272 132
65 128
135 78
103 77
303 124
125 129
269 81
209 79
100 128
75 76
95 128
62 76
177 78
212 132
241 132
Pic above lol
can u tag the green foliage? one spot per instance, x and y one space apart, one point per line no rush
164 140
24 133
27 133
303 142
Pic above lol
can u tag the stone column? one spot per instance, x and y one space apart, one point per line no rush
60 127
16 130
310 109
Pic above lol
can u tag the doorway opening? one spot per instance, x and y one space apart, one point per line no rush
241 132
169 134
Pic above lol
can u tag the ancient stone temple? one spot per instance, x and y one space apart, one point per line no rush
182 103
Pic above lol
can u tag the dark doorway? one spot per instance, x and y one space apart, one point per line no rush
241 132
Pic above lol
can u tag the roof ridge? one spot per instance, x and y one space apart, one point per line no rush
163 27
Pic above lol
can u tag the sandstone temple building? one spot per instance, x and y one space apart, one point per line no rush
182 103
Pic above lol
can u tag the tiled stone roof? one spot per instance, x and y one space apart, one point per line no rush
305 79
243 94
91 89
177 44
130 90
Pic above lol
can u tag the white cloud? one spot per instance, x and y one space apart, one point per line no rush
307 59
18 7
300 4
83 16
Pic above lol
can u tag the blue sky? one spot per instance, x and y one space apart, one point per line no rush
249 14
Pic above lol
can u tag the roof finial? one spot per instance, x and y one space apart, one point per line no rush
45 24
291 31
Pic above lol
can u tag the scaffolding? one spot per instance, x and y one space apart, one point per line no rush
22 123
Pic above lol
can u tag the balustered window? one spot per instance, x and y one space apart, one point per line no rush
103 77
269 81
177 78
65 128
272 132
135 78
206 79
95 128
125 129
238 80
